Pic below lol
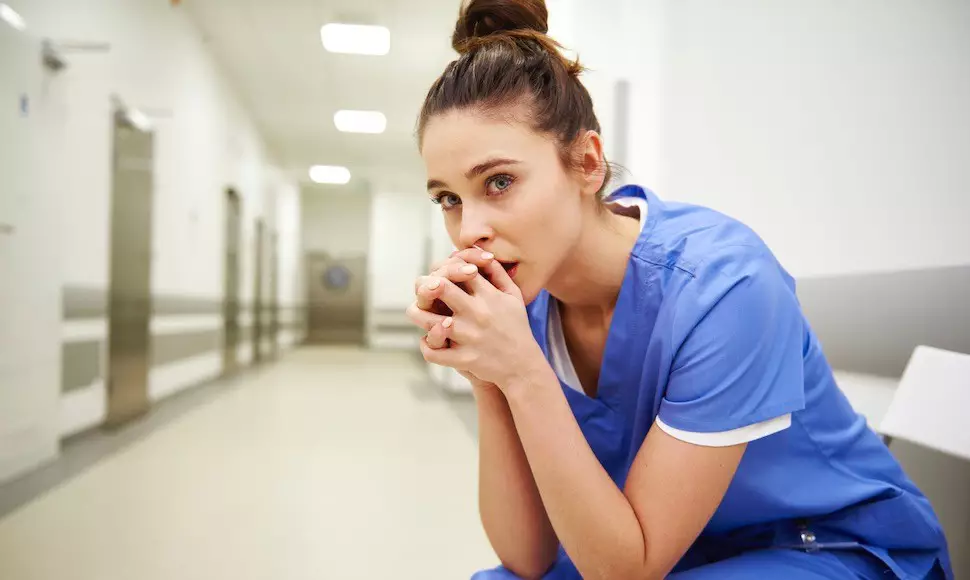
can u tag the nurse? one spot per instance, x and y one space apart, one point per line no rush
651 400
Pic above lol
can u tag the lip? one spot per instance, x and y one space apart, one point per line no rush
510 267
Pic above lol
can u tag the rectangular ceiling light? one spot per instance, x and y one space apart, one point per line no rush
360 121
356 39
10 16
329 174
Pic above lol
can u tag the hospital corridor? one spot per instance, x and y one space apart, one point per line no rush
334 463
386 289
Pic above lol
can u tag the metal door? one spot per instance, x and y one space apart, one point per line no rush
258 295
230 304
129 306
337 290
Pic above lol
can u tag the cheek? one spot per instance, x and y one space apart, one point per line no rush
452 225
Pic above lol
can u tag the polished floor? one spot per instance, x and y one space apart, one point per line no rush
331 463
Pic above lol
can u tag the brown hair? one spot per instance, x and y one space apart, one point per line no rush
506 58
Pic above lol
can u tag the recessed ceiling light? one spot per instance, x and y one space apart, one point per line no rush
329 174
10 16
356 39
360 121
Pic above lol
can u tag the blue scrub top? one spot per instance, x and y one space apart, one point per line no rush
708 336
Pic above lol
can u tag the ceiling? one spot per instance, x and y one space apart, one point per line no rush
292 86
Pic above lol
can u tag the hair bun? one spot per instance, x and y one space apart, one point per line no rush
480 18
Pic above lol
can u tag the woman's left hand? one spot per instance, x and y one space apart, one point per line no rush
489 328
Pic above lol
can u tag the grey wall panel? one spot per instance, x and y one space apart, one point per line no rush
80 364
166 305
82 302
85 302
872 322
167 348
245 334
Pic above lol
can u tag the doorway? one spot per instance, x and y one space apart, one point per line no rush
230 302
337 291
129 286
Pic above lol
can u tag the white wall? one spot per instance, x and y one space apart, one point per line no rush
205 141
839 131
30 266
336 220
400 245
399 240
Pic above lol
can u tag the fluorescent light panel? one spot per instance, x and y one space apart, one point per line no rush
329 174
10 16
356 39
360 121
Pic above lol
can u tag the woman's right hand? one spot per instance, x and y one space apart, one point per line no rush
431 314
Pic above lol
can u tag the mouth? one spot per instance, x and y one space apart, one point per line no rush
511 268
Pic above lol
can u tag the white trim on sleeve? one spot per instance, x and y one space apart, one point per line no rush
737 436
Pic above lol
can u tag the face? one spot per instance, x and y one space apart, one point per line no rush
502 186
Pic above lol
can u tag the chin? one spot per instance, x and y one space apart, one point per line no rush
529 291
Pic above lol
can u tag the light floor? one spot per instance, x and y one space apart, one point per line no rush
332 463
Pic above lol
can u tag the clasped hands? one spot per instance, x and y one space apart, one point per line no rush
475 319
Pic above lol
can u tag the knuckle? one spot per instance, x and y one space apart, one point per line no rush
480 315
413 311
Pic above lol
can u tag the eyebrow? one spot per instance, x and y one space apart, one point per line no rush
475 171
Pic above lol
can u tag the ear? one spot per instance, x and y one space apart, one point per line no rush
593 163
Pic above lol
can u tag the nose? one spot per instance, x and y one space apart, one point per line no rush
475 227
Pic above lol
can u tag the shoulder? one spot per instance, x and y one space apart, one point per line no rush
703 255
692 238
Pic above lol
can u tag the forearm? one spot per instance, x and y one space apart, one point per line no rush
511 509
589 513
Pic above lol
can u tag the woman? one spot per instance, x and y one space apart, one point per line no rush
651 399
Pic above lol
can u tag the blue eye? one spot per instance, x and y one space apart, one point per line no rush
499 183
447 200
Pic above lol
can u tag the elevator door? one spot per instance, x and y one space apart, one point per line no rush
337 288
230 304
129 306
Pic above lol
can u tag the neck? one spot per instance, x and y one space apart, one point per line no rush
590 279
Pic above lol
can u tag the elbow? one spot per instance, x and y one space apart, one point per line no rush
626 572
531 569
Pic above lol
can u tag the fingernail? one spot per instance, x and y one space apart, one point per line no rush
448 322
433 285
469 269
487 255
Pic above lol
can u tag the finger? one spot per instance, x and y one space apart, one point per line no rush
446 357
499 278
454 297
440 334
475 256
478 285
426 290
458 272
424 319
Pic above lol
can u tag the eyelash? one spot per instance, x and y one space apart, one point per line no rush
492 179
439 198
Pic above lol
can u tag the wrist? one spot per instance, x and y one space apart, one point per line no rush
529 378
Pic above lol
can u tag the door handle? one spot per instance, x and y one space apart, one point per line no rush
7 229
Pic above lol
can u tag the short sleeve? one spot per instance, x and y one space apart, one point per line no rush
741 363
